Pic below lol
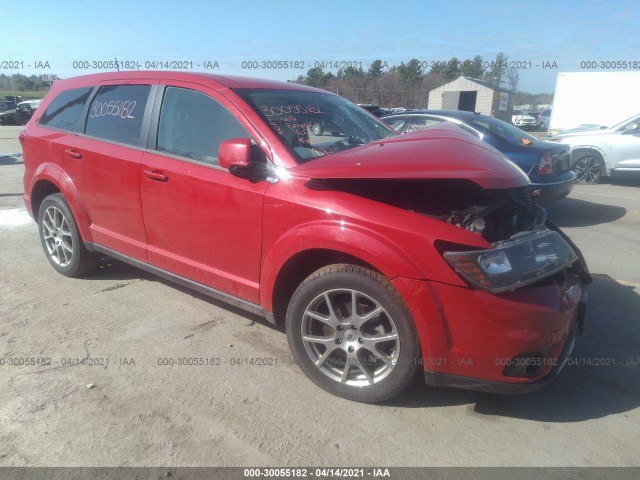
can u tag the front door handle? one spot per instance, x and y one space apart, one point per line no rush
73 153
155 175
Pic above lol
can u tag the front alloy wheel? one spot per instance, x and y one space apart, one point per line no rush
352 334
350 337
588 168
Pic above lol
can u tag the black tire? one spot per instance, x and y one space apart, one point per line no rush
368 357
542 126
316 129
589 168
61 239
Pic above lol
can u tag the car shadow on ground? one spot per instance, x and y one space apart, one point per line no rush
629 179
111 269
572 212
10 159
601 379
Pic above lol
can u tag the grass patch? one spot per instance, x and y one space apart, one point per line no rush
36 94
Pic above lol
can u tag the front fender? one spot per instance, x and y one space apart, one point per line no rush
354 240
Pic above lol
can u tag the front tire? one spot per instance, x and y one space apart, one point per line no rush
589 168
61 239
352 334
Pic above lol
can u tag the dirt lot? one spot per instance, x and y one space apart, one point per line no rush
101 395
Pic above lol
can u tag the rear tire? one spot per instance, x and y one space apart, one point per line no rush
61 239
589 168
369 355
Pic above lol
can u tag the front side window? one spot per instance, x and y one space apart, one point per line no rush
314 124
116 113
193 125
64 111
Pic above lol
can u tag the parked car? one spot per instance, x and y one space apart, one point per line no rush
26 110
326 127
8 114
602 151
375 109
523 120
383 255
544 119
548 167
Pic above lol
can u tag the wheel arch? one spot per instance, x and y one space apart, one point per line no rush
590 149
298 267
308 248
49 179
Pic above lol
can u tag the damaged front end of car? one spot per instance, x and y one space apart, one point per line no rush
510 324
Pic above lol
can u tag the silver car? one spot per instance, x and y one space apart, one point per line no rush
597 153
544 119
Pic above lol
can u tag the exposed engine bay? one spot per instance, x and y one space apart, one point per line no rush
496 214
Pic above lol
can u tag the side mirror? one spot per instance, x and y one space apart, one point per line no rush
235 153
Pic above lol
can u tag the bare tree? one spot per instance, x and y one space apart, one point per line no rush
512 78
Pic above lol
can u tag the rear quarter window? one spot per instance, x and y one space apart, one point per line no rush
64 111
116 113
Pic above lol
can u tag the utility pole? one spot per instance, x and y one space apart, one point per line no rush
13 87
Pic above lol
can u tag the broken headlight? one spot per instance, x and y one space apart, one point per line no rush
522 260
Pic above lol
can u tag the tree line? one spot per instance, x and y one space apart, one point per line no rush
23 83
408 84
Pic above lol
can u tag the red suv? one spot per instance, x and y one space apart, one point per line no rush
383 255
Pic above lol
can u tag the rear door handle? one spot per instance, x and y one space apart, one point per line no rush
73 153
155 175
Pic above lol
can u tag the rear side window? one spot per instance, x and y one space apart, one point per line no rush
193 125
64 111
116 113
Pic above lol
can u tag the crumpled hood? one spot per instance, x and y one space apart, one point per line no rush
439 152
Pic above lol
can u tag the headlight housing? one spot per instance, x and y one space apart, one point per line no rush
514 263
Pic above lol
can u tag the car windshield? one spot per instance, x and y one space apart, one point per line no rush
504 130
622 124
314 124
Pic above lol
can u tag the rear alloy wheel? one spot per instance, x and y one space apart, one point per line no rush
352 334
61 239
589 168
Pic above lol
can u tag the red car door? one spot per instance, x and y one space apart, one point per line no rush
202 223
104 165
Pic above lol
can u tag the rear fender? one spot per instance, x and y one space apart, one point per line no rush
53 173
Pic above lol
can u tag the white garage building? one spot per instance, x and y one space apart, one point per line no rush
472 95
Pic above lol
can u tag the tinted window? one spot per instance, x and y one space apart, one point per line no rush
65 110
116 113
193 125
